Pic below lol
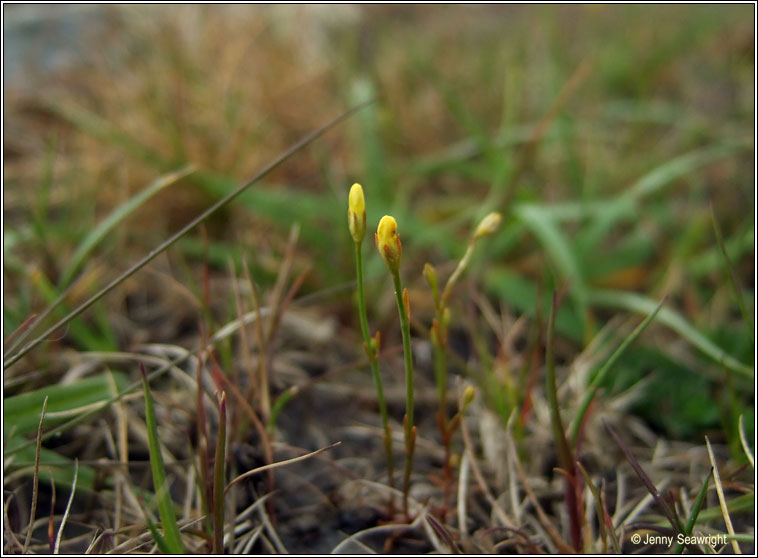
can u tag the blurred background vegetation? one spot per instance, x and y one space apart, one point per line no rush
604 134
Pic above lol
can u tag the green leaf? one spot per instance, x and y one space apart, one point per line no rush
668 317
21 412
162 492
114 218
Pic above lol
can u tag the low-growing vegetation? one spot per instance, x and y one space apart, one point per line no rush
201 354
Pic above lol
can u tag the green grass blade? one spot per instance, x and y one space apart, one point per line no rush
539 221
157 537
600 376
278 406
694 512
22 411
115 217
738 504
673 320
58 466
680 166
730 271
162 493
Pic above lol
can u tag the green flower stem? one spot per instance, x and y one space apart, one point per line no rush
440 375
405 327
371 351
410 439
460 268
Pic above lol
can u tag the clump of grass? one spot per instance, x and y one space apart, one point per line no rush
619 248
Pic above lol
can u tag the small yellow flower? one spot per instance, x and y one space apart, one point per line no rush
356 213
488 225
388 243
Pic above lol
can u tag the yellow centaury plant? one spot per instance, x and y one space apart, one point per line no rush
391 250
356 222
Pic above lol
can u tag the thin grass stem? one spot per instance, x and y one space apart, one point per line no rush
219 477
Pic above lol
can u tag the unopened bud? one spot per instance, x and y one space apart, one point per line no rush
468 396
488 225
356 213
430 274
388 243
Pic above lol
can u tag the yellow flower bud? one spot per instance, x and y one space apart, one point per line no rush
356 213
388 243
488 225
468 396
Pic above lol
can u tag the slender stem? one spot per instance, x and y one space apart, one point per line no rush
405 328
371 350
440 374
219 477
410 438
460 268
565 456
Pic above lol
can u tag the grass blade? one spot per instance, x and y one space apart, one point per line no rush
665 508
262 468
722 498
33 511
115 217
157 537
589 395
22 410
68 508
539 221
730 271
745 446
695 511
603 518
562 446
165 504
673 320
309 138
682 165
219 478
